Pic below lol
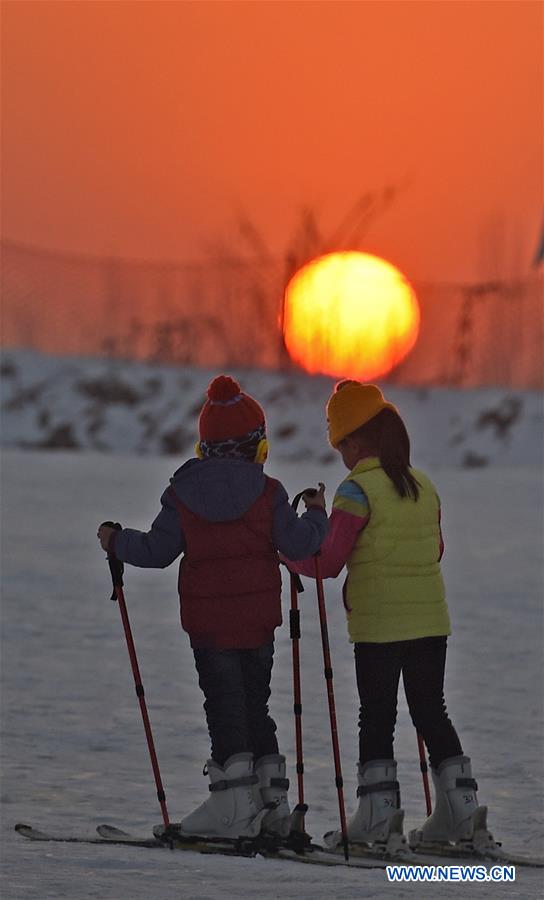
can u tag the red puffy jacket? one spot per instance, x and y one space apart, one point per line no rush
229 577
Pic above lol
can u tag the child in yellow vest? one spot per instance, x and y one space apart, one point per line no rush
385 527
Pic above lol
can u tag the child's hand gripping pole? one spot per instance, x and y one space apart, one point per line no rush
116 570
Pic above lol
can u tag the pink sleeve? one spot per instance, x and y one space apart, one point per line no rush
344 529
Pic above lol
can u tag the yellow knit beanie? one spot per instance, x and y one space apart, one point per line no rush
352 405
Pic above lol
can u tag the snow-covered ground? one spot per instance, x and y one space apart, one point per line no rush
73 749
114 406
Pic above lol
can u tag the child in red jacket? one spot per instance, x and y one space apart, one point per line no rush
229 520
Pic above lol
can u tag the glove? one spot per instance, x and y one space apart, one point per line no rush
105 532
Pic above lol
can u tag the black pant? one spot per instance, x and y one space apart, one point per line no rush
236 685
422 663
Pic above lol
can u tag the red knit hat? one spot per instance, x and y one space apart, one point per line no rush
228 412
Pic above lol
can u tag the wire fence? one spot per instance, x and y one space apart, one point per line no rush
227 311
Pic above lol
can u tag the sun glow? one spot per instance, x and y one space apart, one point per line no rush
350 314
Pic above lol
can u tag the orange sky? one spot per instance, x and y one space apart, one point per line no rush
146 128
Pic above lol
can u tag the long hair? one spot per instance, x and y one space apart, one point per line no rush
386 437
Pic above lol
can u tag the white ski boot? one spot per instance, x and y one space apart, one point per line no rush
378 819
234 808
273 784
456 818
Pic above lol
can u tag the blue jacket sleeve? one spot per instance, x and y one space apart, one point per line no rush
156 548
297 537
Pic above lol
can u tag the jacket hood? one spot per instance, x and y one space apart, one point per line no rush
219 490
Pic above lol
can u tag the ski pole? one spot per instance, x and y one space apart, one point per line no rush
116 569
330 690
424 773
332 709
294 632
294 625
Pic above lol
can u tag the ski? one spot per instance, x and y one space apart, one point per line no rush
311 853
35 834
116 836
240 848
439 854
360 857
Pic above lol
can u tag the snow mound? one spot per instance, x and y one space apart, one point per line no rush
116 406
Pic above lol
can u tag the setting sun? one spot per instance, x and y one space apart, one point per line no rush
350 314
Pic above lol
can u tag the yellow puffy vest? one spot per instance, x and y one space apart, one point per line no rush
395 590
